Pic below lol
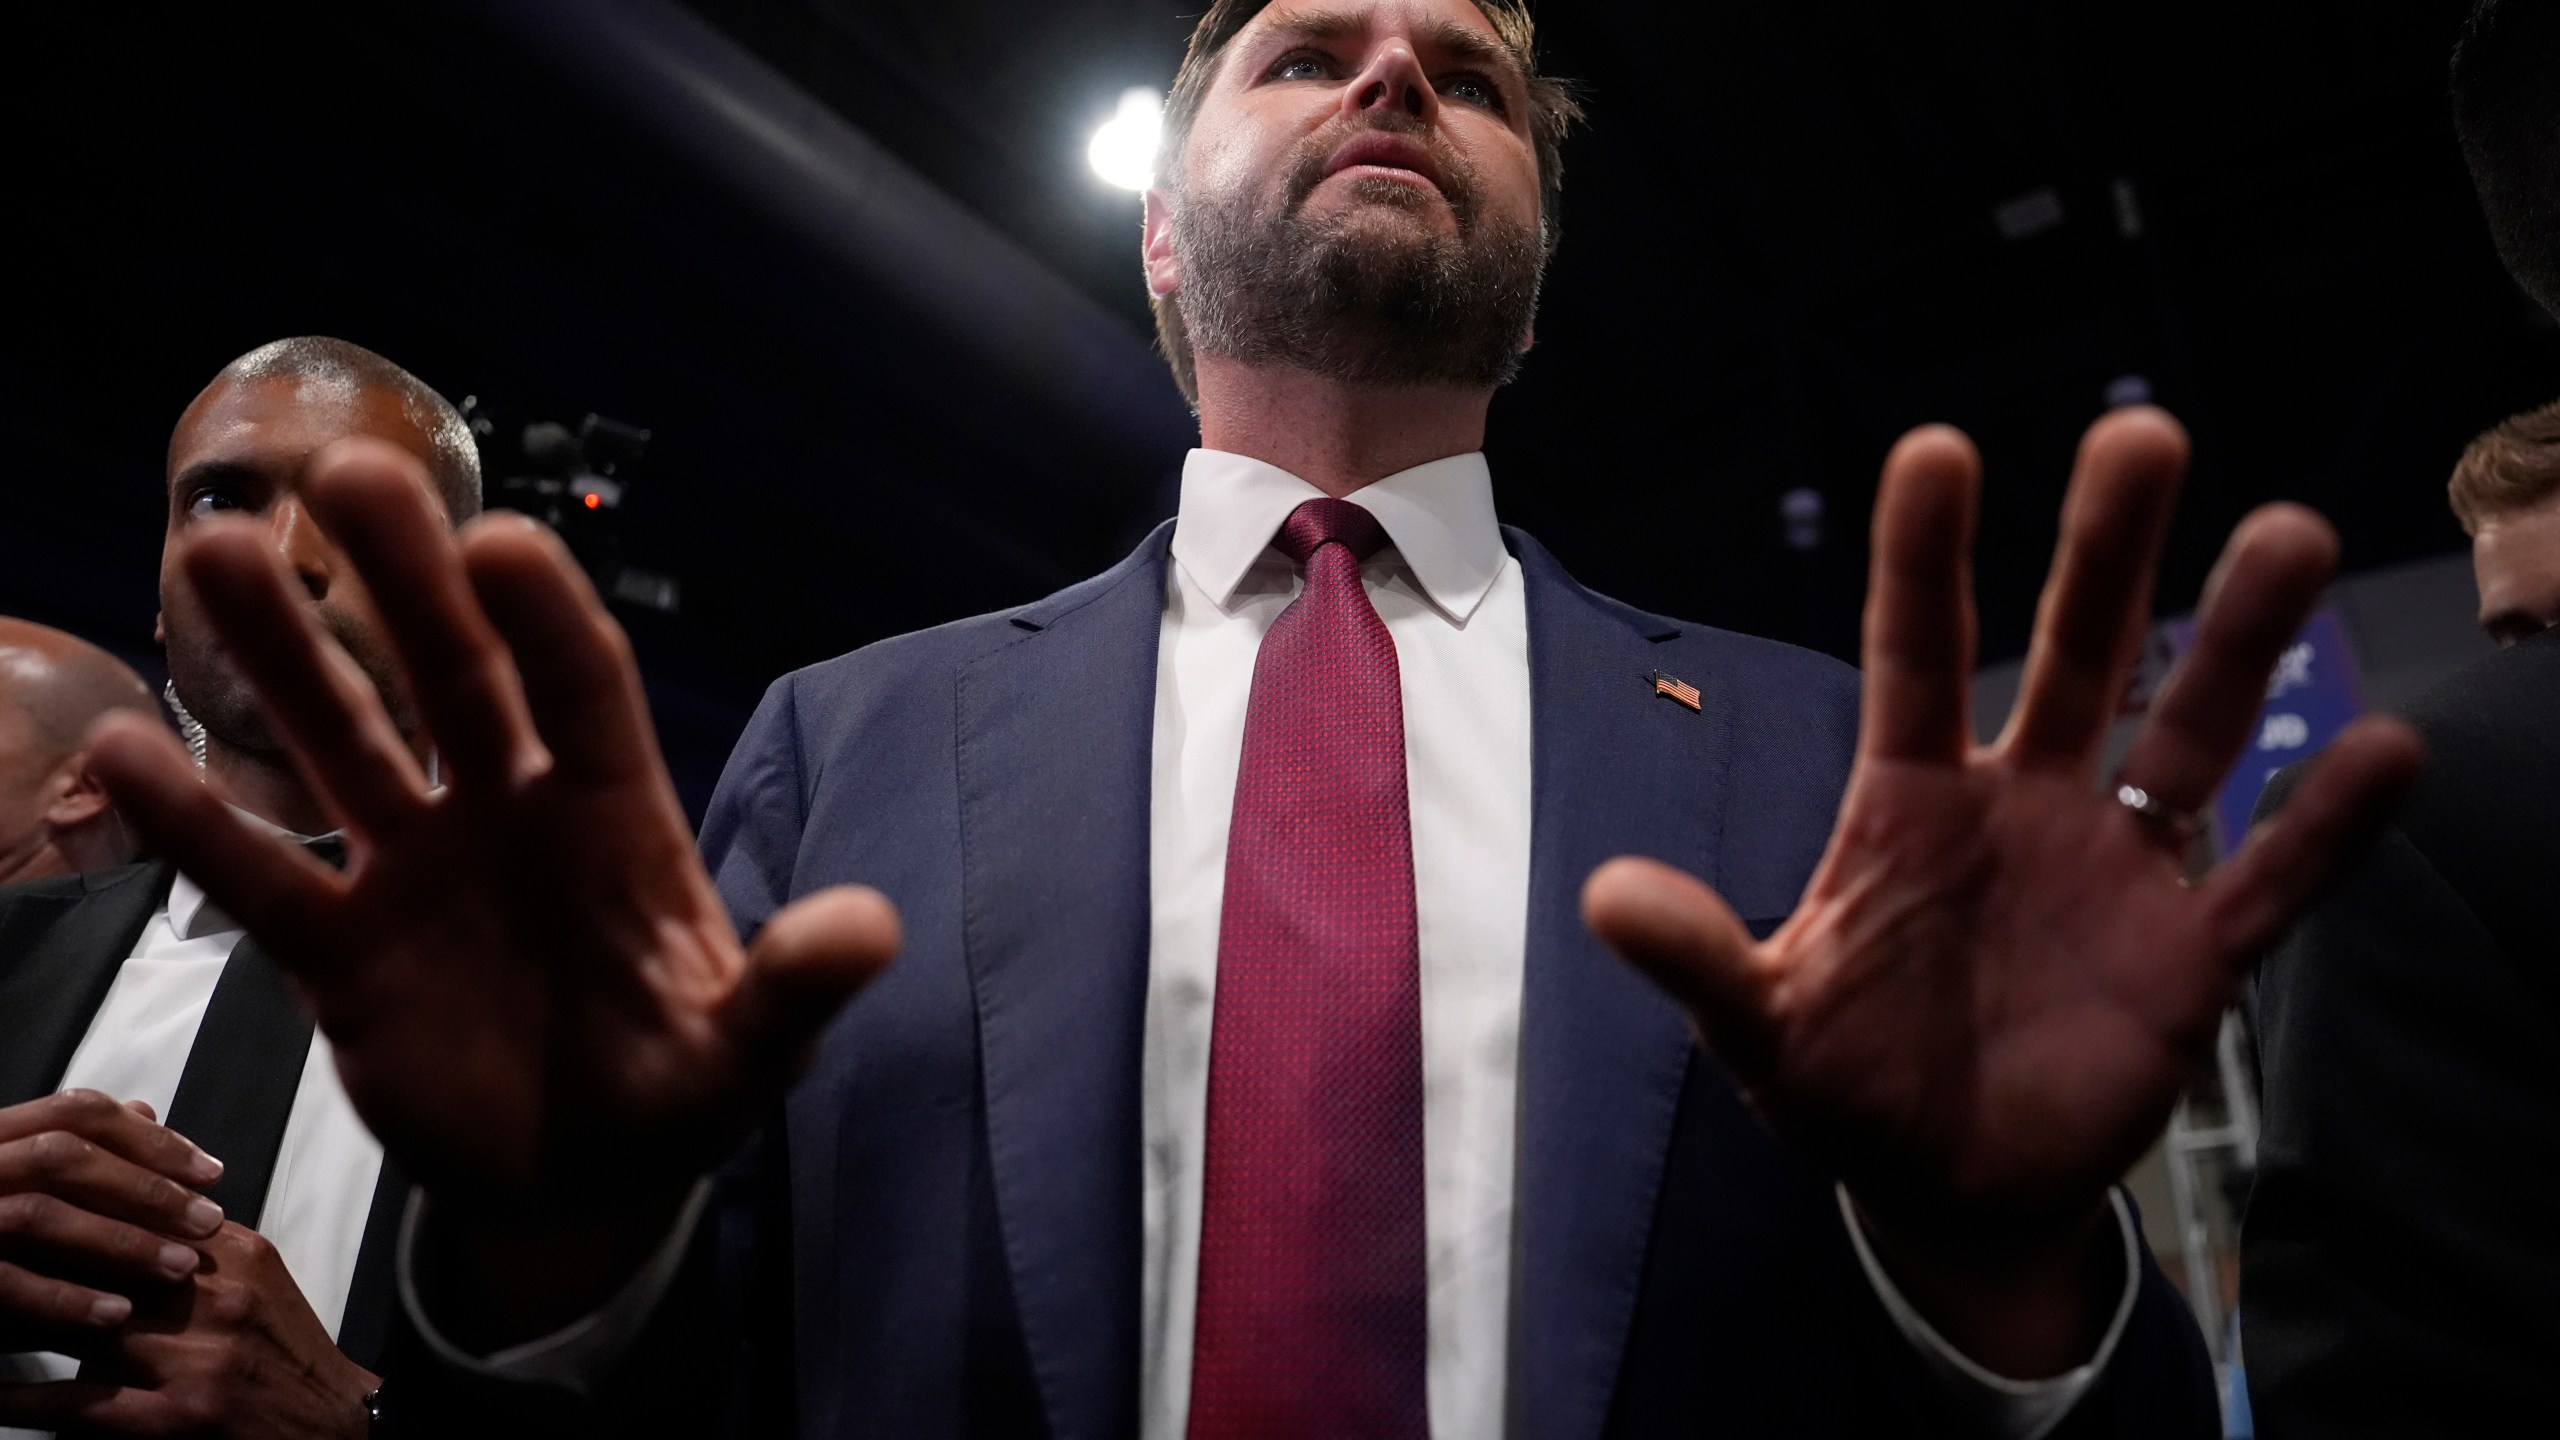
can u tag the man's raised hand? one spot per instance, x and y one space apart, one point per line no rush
534 994
1998 981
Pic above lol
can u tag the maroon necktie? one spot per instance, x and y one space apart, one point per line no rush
1312 1282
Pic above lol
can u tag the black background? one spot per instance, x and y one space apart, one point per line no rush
1781 250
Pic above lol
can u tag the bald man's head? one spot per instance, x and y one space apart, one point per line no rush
246 448
327 373
54 819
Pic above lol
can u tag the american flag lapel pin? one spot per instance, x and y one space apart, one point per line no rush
1672 687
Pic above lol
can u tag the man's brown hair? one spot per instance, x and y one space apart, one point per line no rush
2515 466
1552 111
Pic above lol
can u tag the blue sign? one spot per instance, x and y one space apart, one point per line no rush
2310 698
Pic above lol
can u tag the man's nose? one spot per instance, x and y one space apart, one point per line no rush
305 551
1392 80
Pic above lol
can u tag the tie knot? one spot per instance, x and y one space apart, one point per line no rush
1319 523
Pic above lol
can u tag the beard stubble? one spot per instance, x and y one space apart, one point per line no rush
1360 297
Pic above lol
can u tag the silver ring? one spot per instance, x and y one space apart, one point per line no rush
2157 813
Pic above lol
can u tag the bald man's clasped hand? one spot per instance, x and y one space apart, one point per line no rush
1979 1016
185 1322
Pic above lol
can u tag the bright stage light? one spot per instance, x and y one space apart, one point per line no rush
1123 151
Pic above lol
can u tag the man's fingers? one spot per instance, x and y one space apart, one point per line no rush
1919 619
281 894
2097 599
80 1172
1682 934
2270 576
316 698
2347 795
87 1405
580 681
128 1130
805 964
379 504
35 1304
57 1237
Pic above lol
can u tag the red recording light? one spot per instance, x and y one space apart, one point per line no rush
594 501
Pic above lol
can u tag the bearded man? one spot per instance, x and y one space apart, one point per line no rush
1257 1064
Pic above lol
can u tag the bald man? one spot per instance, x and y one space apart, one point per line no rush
54 820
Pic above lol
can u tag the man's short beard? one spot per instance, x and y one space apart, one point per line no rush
1348 299
209 684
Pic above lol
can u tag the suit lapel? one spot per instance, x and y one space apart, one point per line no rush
1618 770
1055 766
60 947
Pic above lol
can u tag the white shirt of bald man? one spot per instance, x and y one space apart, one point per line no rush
136 1047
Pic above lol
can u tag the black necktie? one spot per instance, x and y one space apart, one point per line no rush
237 1090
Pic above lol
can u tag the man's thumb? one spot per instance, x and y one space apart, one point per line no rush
805 964
1682 934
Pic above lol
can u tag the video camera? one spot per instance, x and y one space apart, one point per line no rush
574 481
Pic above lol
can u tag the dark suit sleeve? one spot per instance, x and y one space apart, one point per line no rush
751 833
2399 1276
2160 1381
714 1360
1762 1322
2158 1384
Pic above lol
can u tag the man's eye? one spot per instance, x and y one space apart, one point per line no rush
209 502
1476 90
1299 67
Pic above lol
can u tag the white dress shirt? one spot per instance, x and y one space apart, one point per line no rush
136 1047
1452 599
1450 594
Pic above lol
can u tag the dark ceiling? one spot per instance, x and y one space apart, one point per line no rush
1792 231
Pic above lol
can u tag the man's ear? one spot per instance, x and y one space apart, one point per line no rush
1164 273
160 628
75 797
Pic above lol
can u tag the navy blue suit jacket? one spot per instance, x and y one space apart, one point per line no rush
941 1236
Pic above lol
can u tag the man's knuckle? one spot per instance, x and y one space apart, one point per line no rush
160 1193
194 1407
86 1107
61 1298
229 1301
57 1152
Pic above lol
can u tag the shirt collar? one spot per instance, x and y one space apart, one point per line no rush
1438 516
193 914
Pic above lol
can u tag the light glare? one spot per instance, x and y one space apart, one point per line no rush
1123 151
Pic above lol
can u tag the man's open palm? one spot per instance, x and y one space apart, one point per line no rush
531 986
1998 980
